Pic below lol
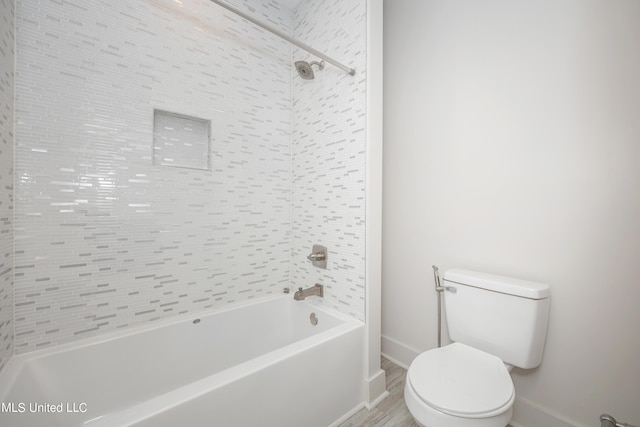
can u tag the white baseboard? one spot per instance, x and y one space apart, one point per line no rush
375 389
397 352
530 414
525 412
374 403
348 415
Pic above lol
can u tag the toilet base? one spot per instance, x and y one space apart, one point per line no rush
427 416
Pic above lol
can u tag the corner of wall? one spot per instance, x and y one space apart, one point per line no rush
328 146
375 389
397 352
375 380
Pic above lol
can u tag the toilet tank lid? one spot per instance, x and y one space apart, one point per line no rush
502 284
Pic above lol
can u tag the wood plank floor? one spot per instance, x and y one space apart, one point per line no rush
392 411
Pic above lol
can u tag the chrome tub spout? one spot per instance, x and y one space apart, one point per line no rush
301 294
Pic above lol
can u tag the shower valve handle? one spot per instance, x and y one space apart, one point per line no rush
316 256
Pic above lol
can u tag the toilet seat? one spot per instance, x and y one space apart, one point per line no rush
462 381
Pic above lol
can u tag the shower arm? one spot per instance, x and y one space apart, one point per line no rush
285 36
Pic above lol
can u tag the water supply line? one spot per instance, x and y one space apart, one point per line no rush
439 290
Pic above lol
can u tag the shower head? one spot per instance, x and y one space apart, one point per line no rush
304 68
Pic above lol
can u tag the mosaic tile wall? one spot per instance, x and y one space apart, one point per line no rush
329 153
103 238
7 55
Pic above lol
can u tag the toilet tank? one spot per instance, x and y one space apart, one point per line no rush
499 315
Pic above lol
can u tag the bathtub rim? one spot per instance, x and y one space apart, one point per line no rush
173 398
14 366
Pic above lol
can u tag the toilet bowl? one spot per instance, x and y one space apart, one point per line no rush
459 386
494 322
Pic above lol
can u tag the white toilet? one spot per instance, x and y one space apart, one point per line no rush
496 323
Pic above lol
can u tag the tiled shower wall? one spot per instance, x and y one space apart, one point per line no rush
7 55
329 153
105 239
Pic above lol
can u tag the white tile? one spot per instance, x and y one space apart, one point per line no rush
7 89
104 238
328 141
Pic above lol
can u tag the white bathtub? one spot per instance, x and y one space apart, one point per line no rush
256 364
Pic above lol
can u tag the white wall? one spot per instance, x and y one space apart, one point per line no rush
512 146
7 90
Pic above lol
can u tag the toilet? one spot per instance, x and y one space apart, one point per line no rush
496 323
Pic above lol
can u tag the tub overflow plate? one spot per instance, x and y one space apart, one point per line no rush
313 319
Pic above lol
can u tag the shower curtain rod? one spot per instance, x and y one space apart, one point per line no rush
285 36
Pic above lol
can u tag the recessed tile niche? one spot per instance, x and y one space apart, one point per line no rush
181 141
